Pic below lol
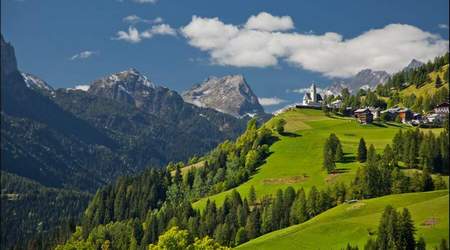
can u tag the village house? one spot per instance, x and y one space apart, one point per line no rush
441 109
364 116
405 115
375 112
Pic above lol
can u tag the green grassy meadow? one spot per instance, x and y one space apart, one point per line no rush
296 158
336 227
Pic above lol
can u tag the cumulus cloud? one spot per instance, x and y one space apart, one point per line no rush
264 40
83 55
134 19
133 35
303 90
270 101
267 22
443 26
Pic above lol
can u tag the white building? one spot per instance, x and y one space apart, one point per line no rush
312 98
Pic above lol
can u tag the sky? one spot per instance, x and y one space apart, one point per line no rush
281 47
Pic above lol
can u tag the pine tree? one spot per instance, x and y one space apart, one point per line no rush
438 82
362 151
313 202
339 154
427 181
241 236
252 196
406 230
421 244
443 245
328 158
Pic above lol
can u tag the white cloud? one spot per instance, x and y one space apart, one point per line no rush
443 26
267 22
303 90
270 101
134 19
134 36
389 48
163 29
83 55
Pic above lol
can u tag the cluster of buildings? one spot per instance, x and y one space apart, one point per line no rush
367 115
405 115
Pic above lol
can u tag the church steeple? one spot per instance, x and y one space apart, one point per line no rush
313 93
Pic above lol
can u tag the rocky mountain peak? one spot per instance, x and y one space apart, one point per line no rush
229 94
36 83
413 64
364 79
8 58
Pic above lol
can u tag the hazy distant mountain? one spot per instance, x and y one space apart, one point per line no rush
413 64
229 94
364 79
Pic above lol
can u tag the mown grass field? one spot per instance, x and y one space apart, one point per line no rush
334 228
296 158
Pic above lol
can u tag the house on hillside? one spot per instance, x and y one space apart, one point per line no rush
364 116
405 115
375 112
441 109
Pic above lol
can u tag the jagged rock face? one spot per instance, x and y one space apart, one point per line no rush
365 79
34 82
229 94
414 64
8 58
123 86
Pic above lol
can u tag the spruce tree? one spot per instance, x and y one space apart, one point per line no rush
421 244
361 155
252 196
438 82
339 154
241 236
406 230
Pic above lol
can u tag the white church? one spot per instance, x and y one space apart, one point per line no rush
312 98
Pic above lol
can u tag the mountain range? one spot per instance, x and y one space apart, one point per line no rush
57 137
364 79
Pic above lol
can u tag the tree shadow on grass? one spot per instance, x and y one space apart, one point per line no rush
340 170
393 124
348 158
290 134
379 124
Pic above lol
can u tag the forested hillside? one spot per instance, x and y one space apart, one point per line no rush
37 217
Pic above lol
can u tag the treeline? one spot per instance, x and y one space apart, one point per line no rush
396 230
236 221
227 166
43 217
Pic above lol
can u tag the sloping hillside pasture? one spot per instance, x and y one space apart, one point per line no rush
296 158
354 223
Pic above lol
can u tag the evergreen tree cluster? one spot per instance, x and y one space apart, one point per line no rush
421 150
381 175
396 231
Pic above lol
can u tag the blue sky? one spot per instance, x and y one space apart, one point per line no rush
290 45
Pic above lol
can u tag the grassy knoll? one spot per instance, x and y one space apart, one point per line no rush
352 223
296 158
